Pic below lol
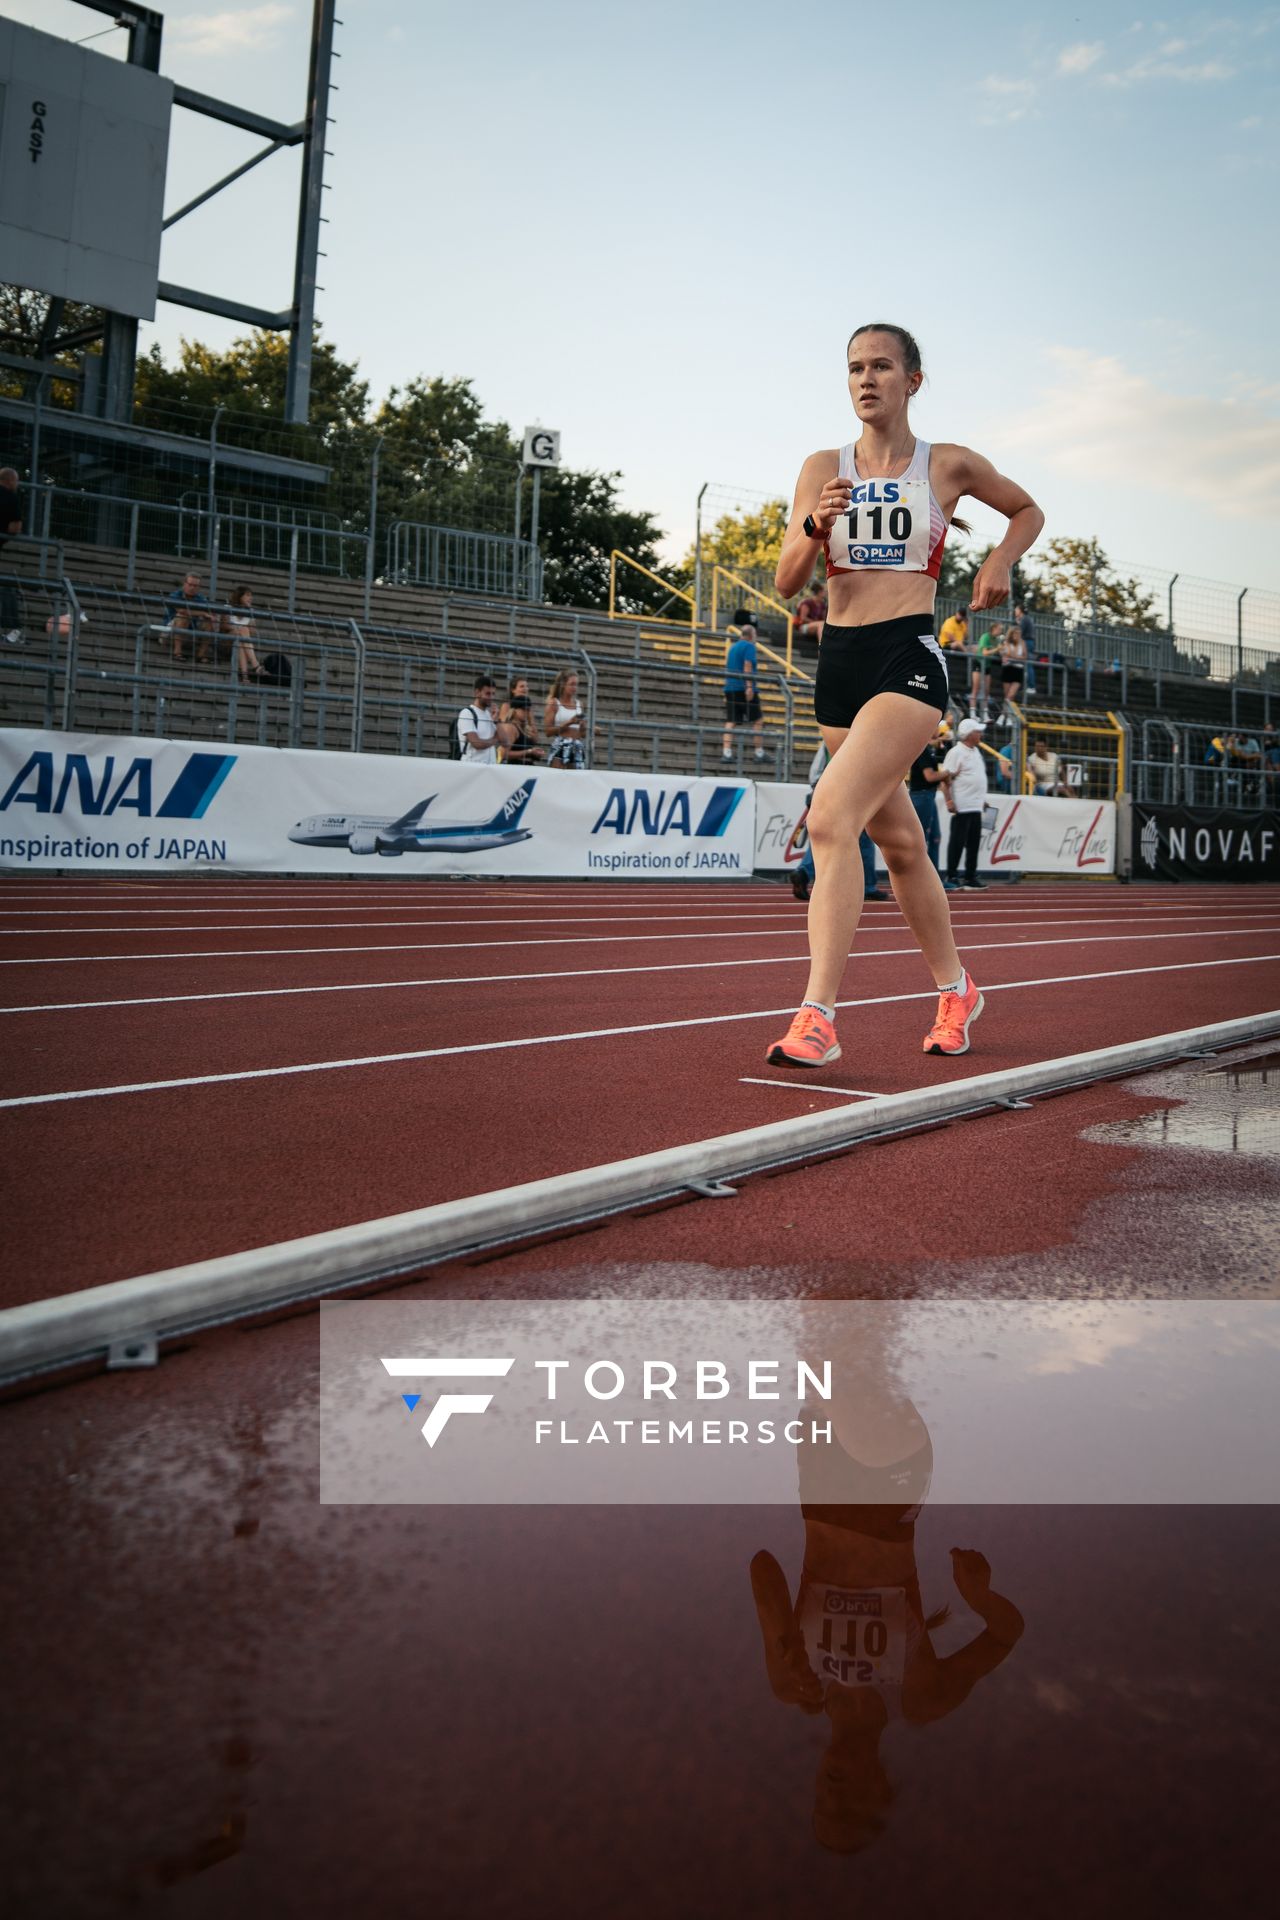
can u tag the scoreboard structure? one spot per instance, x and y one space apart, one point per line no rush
84 143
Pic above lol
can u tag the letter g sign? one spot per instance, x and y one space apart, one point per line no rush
541 447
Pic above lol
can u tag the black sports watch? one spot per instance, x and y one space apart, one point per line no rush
812 529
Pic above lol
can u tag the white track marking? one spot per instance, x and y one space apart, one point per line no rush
592 1033
591 973
795 931
802 1084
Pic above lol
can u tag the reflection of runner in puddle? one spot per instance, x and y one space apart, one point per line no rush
855 1644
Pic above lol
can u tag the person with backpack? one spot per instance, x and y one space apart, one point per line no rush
477 734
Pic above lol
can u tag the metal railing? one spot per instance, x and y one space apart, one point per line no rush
1121 650
264 532
1188 765
32 667
461 562
1094 749
112 661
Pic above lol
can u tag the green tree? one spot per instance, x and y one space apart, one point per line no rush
581 521
248 380
747 542
1082 585
24 318
443 462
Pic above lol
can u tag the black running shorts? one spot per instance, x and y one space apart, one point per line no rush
889 656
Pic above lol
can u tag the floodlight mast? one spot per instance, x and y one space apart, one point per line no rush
297 399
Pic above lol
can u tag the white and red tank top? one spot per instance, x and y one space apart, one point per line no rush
892 526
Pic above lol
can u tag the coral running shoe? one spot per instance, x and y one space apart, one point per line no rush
810 1041
956 1014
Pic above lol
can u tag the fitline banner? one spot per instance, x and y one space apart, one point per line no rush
104 802
1030 834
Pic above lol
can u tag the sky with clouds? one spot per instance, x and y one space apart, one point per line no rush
655 228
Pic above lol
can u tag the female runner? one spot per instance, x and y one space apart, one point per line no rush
880 509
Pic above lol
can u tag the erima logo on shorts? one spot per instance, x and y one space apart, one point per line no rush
448 1367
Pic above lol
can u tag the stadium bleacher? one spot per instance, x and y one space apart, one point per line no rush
394 681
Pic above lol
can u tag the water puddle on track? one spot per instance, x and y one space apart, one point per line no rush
1230 1108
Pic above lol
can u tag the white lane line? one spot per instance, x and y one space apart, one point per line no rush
602 973
802 1084
581 908
794 931
470 920
591 1033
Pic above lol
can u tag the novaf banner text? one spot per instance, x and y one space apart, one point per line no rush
96 802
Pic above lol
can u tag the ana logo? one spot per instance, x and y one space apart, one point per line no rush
46 781
447 1367
1150 843
649 811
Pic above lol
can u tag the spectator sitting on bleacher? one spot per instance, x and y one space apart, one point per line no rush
1045 769
10 524
182 615
517 714
1215 754
811 615
239 624
955 631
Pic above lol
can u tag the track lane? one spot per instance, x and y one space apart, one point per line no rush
131 1044
560 967
114 1187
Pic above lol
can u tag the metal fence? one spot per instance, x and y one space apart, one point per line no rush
189 483
1181 764
1117 649
462 562
112 661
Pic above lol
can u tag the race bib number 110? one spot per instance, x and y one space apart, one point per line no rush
887 525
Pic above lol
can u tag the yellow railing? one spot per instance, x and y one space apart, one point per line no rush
650 619
749 594
1052 723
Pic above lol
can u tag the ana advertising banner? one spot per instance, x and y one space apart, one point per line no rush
82 801
1186 843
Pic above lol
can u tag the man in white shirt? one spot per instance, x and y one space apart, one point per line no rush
964 788
479 735
1045 769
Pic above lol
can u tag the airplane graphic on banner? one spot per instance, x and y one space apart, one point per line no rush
365 833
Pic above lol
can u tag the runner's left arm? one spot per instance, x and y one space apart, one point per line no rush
971 473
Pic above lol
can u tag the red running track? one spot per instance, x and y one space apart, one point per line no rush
197 1068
